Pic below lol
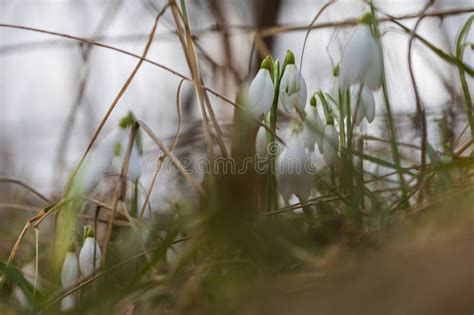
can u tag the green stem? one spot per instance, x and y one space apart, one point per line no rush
341 119
388 110
273 200
134 201
462 77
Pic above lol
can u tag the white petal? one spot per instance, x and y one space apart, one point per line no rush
356 56
261 93
134 165
373 76
28 272
261 142
302 95
97 162
21 297
330 144
68 303
369 104
298 99
313 128
290 82
292 170
70 270
173 252
286 101
359 116
87 262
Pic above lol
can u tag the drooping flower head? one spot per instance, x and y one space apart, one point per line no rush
101 157
293 90
330 141
261 91
313 127
69 275
90 255
294 169
362 57
365 107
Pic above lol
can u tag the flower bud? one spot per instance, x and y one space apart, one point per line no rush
90 255
97 163
313 127
294 170
362 60
69 275
262 90
293 91
261 143
28 272
330 144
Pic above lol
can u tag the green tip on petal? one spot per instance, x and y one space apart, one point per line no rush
472 46
336 70
329 119
296 127
313 101
72 247
267 63
88 232
127 121
289 58
367 18
118 149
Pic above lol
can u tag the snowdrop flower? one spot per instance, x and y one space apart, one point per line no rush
261 143
69 275
261 91
28 271
134 163
369 104
294 169
293 90
362 60
330 143
366 107
97 162
313 128
334 93
90 255
173 252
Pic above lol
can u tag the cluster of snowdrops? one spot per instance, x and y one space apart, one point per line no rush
318 126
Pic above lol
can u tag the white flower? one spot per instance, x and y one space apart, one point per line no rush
69 275
88 262
261 143
290 82
134 163
333 103
68 303
330 144
362 60
261 93
173 252
97 162
294 170
70 270
366 107
28 272
292 94
369 104
313 128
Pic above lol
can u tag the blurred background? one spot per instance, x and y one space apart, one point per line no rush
54 91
